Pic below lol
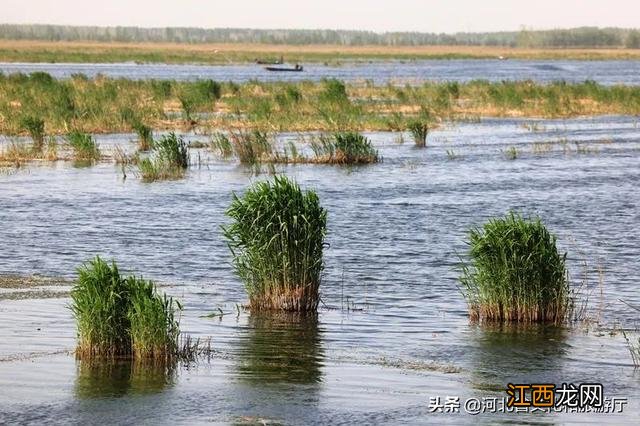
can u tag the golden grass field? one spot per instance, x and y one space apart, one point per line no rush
45 51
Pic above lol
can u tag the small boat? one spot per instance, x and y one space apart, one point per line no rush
296 68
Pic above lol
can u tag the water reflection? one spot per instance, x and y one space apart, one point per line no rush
518 354
96 379
281 348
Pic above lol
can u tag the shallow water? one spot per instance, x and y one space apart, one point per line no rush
395 231
380 72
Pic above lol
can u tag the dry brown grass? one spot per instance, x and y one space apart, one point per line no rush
31 50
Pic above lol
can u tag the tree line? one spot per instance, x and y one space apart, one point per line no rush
560 38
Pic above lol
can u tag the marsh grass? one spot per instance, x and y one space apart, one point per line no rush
252 147
119 316
104 104
515 273
344 148
221 144
419 130
34 126
100 304
169 159
17 154
277 238
145 136
85 148
154 328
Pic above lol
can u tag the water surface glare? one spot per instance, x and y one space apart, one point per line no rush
395 232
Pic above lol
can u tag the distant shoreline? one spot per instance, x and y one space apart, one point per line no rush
31 51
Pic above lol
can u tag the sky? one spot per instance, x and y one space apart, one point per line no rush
375 15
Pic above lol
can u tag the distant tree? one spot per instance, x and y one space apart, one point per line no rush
633 40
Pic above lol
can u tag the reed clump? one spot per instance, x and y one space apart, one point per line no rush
344 148
145 136
85 148
221 143
34 126
154 328
515 273
251 147
277 240
419 130
119 316
169 159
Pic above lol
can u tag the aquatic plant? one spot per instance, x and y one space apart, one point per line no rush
187 108
120 316
515 273
344 148
222 144
277 239
511 153
154 329
100 304
35 127
105 104
85 148
333 91
419 130
169 159
145 135
251 147
173 150
206 91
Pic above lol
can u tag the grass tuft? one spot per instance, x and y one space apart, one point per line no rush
145 136
515 273
120 316
154 329
251 147
169 160
85 148
276 239
344 148
419 130
35 127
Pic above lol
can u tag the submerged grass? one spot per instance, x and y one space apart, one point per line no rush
277 239
515 273
120 316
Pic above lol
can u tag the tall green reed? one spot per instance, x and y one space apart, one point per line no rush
277 240
119 316
515 273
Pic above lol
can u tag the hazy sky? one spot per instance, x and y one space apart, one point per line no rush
376 15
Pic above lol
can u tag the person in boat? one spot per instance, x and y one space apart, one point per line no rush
298 67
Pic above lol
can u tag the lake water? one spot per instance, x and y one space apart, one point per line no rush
411 72
396 230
